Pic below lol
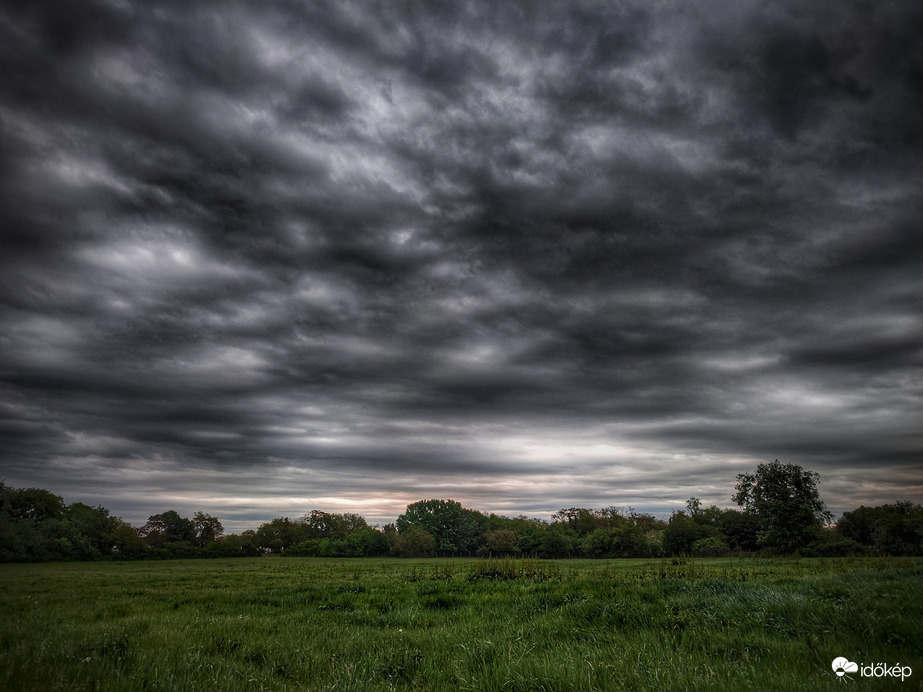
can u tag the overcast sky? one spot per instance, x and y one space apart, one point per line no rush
259 258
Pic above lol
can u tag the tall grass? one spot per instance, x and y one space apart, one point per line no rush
326 624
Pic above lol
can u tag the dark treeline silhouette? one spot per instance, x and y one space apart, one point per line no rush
781 513
36 526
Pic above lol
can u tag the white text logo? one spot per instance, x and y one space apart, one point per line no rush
842 667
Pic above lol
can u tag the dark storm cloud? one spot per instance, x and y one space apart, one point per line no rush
260 258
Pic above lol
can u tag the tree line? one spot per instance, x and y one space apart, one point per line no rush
780 513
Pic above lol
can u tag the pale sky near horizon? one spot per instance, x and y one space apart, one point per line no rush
263 258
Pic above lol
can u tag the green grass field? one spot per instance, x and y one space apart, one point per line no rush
377 624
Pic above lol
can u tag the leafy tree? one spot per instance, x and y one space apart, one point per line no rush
832 544
35 504
125 540
35 525
31 525
712 546
859 525
207 529
279 534
580 520
555 544
698 530
682 533
168 527
740 529
244 543
785 499
414 541
89 530
152 533
374 542
708 516
453 528
894 529
603 542
529 532
331 525
500 541
609 516
625 540
634 541
693 507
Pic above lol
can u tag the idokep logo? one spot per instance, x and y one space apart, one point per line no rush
842 667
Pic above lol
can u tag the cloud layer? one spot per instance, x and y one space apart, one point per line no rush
259 258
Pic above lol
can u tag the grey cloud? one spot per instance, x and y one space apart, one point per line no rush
330 250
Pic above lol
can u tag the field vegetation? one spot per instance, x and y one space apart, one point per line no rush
457 624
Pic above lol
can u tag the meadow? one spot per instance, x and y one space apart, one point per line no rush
453 624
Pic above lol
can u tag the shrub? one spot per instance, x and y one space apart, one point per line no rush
712 546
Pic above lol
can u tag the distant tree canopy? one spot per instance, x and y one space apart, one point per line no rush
168 527
335 535
781 513
329 525
36 525
414 541
453 528
206 529
785 499
895 529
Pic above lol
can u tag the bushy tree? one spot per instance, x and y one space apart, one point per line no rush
601 543
555 543
35 505
500 541
624 540
453 528
579 520
168 527
31 525
713 546
36 525
332 525
125 541
683 532
374 542
89 530
893 529
414 541
280 534
785 499
740 530
206 528
529 532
